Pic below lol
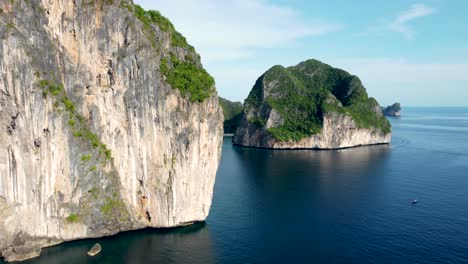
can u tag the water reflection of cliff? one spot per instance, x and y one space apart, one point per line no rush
304 178
181 245
290 165
348 206
305 196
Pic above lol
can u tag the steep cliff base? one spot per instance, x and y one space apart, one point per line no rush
30 249
339 131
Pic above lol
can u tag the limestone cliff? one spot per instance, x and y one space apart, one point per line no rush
310 106
108 122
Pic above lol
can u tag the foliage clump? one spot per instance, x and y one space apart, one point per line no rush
113 206
188 78
152 17
86 157
184 75
73 218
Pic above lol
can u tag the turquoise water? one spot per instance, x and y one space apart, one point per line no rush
348 206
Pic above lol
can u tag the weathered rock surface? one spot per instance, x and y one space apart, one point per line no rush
93 138
310 106
339 131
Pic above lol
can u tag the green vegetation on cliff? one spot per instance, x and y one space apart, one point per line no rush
154 17
184 74
73 218
80 129
188 78
232 114
302 94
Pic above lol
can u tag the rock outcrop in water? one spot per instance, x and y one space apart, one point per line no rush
96 249
108 122
392 110
310 106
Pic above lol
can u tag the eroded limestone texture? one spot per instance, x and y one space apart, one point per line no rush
93 139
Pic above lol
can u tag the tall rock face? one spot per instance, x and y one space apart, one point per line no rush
310 106
108 122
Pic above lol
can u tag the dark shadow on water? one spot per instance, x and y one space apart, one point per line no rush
280 175
285 166
296 199
191 244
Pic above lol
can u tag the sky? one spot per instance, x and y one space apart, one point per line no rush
412 52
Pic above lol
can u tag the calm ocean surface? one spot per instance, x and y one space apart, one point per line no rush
348 206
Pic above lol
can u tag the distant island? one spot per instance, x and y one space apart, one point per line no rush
310 106
232 115
392 110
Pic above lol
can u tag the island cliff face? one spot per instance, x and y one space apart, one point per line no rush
310 106
108 122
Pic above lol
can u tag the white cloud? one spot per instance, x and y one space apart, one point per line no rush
223 30
400 24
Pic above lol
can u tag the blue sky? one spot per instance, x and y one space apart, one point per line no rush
413 52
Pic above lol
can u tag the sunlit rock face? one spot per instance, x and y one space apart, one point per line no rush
339 131
93 138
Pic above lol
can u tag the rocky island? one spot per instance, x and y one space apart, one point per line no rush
392 110
108 122
232 115
310 106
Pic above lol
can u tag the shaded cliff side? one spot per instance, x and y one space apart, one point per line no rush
310 105
108 122
232 115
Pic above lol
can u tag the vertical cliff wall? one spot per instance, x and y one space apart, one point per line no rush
102 127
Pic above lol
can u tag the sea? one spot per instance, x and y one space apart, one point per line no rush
303 206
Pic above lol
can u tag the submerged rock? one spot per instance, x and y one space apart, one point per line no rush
96 249
310 106
108 122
